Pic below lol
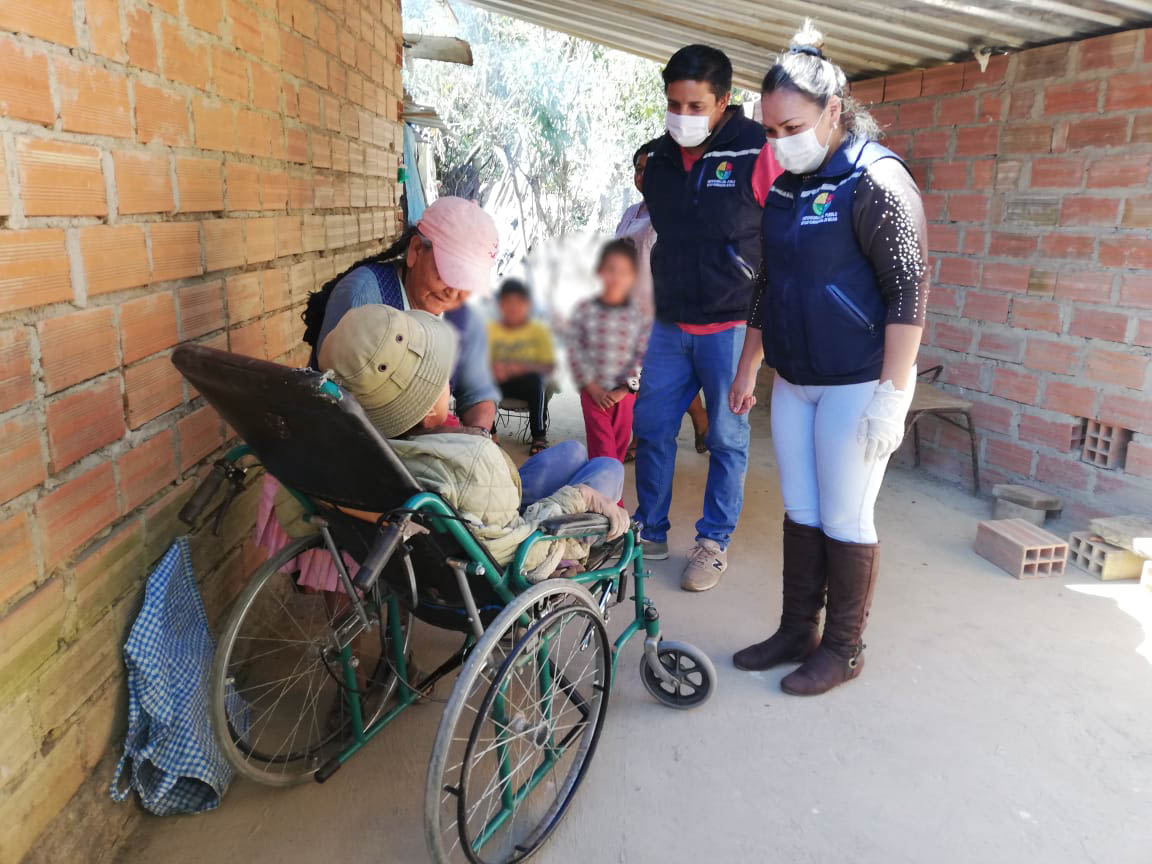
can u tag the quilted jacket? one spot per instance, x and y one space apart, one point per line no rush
476 476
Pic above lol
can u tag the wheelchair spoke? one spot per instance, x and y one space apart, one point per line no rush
278 695
264 685
291 617
269 639
282 691
252 750
492 794
524 754
308 703
520 728
569 704
313 723
251 658
283 680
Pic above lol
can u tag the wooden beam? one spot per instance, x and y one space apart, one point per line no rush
447 49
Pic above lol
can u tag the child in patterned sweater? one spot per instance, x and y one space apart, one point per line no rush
606 342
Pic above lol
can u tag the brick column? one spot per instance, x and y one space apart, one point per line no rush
170 171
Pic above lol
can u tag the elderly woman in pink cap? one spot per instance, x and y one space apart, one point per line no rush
435 266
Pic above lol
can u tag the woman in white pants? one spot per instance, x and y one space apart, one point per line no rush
838 313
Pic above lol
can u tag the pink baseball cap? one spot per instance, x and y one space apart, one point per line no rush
464 243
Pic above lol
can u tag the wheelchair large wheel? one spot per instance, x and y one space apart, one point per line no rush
520 728
279 702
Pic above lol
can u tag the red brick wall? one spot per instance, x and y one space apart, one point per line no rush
1036 175
170 171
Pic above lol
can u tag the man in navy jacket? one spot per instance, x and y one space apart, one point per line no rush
704 184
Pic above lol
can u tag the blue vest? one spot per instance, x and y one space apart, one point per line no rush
823 312
707 224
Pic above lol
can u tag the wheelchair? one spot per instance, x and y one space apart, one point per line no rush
303 679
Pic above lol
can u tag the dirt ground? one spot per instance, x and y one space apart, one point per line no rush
997 721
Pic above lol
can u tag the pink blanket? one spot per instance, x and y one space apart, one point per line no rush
317 569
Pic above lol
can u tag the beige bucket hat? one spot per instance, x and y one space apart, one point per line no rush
395 363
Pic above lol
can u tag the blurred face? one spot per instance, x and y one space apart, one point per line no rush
514 310
638 179
439 412
617 274
696 97
787 112
422 282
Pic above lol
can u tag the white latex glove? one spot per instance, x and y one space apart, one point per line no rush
882 426
596 502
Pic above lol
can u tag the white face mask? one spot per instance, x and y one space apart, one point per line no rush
801 153
687 130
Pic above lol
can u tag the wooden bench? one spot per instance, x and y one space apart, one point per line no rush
930 400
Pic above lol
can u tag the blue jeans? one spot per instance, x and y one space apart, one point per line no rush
567 464
676 366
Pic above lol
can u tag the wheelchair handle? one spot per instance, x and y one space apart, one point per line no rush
390 537
194 506
223 471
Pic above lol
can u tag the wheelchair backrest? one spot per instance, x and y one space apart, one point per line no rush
310 434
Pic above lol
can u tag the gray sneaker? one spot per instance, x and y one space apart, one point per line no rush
706 562
654 550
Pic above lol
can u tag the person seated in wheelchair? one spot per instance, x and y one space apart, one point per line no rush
397 365
523 357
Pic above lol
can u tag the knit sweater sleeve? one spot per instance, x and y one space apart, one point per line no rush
888 217
582 372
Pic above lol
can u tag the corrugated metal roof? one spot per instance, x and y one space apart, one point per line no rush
866 37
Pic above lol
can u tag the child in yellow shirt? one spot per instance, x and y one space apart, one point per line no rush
520 350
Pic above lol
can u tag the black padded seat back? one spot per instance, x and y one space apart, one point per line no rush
315 438
306 431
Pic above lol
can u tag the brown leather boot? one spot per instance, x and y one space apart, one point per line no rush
797 636
851 580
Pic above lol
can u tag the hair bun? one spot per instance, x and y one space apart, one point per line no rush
806 49
807 37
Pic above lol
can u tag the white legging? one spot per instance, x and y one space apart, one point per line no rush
824 478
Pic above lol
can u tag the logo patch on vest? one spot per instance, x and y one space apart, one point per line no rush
820 205
723 179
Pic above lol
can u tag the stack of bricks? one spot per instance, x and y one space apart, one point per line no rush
1123 546
170 171
1107 562
1036 174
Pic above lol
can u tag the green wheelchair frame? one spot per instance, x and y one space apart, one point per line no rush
533 672
507 584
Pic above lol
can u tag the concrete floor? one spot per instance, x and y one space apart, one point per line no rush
997 722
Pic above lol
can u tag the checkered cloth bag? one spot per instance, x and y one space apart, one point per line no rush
171 754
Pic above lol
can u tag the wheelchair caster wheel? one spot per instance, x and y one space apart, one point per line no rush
692 673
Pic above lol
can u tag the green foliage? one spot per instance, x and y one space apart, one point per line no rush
562 114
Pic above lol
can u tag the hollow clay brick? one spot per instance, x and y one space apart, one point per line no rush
1021 549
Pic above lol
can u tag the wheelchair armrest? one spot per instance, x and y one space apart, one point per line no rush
575 524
